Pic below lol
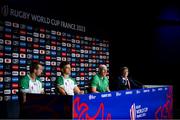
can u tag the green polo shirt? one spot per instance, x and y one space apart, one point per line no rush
100 83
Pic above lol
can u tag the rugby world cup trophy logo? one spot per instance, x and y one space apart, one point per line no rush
133 112
4 10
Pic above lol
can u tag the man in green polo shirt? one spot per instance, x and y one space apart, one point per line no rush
31 82
100 82
65 85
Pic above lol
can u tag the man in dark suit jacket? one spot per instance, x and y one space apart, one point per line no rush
124 82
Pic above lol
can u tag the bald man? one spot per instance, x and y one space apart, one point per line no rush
100 82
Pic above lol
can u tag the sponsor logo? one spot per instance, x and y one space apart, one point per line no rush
15 67
48 62
48 36
7 79
29 39
35 34
42 41
15 43
36 40
6 29
92 97
47 84
7 92
7 98
53 63
29 56
29 27
23 44
63 59
22 73
63 54
8 23
48 68
22 61
22 26
48 57
35 46
14 98
15 61
7 60
15 25
23 50
8 48
1 41
7 42
42 52
48 47
22 55
15 79
42 35
22 32
36 51
15 73
36 56
82 78
15 55
48 73
53 37
15 85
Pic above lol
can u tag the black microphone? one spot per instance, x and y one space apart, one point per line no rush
138 84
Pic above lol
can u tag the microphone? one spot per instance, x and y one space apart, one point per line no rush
138 84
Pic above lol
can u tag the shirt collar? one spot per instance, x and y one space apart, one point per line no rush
124 78
100 76
30 78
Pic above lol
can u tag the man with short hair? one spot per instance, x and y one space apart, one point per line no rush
124 82
31 83
100 82
65 85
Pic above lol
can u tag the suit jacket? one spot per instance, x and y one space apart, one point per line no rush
122 84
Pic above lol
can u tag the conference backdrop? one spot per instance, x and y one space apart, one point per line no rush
26 37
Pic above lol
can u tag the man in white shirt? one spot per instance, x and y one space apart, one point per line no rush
31 82
65 85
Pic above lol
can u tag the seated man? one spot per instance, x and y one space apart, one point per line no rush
124 82
100 82
65 85
31 82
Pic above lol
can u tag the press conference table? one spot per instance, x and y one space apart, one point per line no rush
153 103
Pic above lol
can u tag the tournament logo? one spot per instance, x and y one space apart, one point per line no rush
133 112
5 10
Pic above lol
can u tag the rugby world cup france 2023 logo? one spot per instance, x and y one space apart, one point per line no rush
4 10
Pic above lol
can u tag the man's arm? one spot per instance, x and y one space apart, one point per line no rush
108 90
24 88
42 87
94 90
94 84
61 91
60 86
78 91
42 91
